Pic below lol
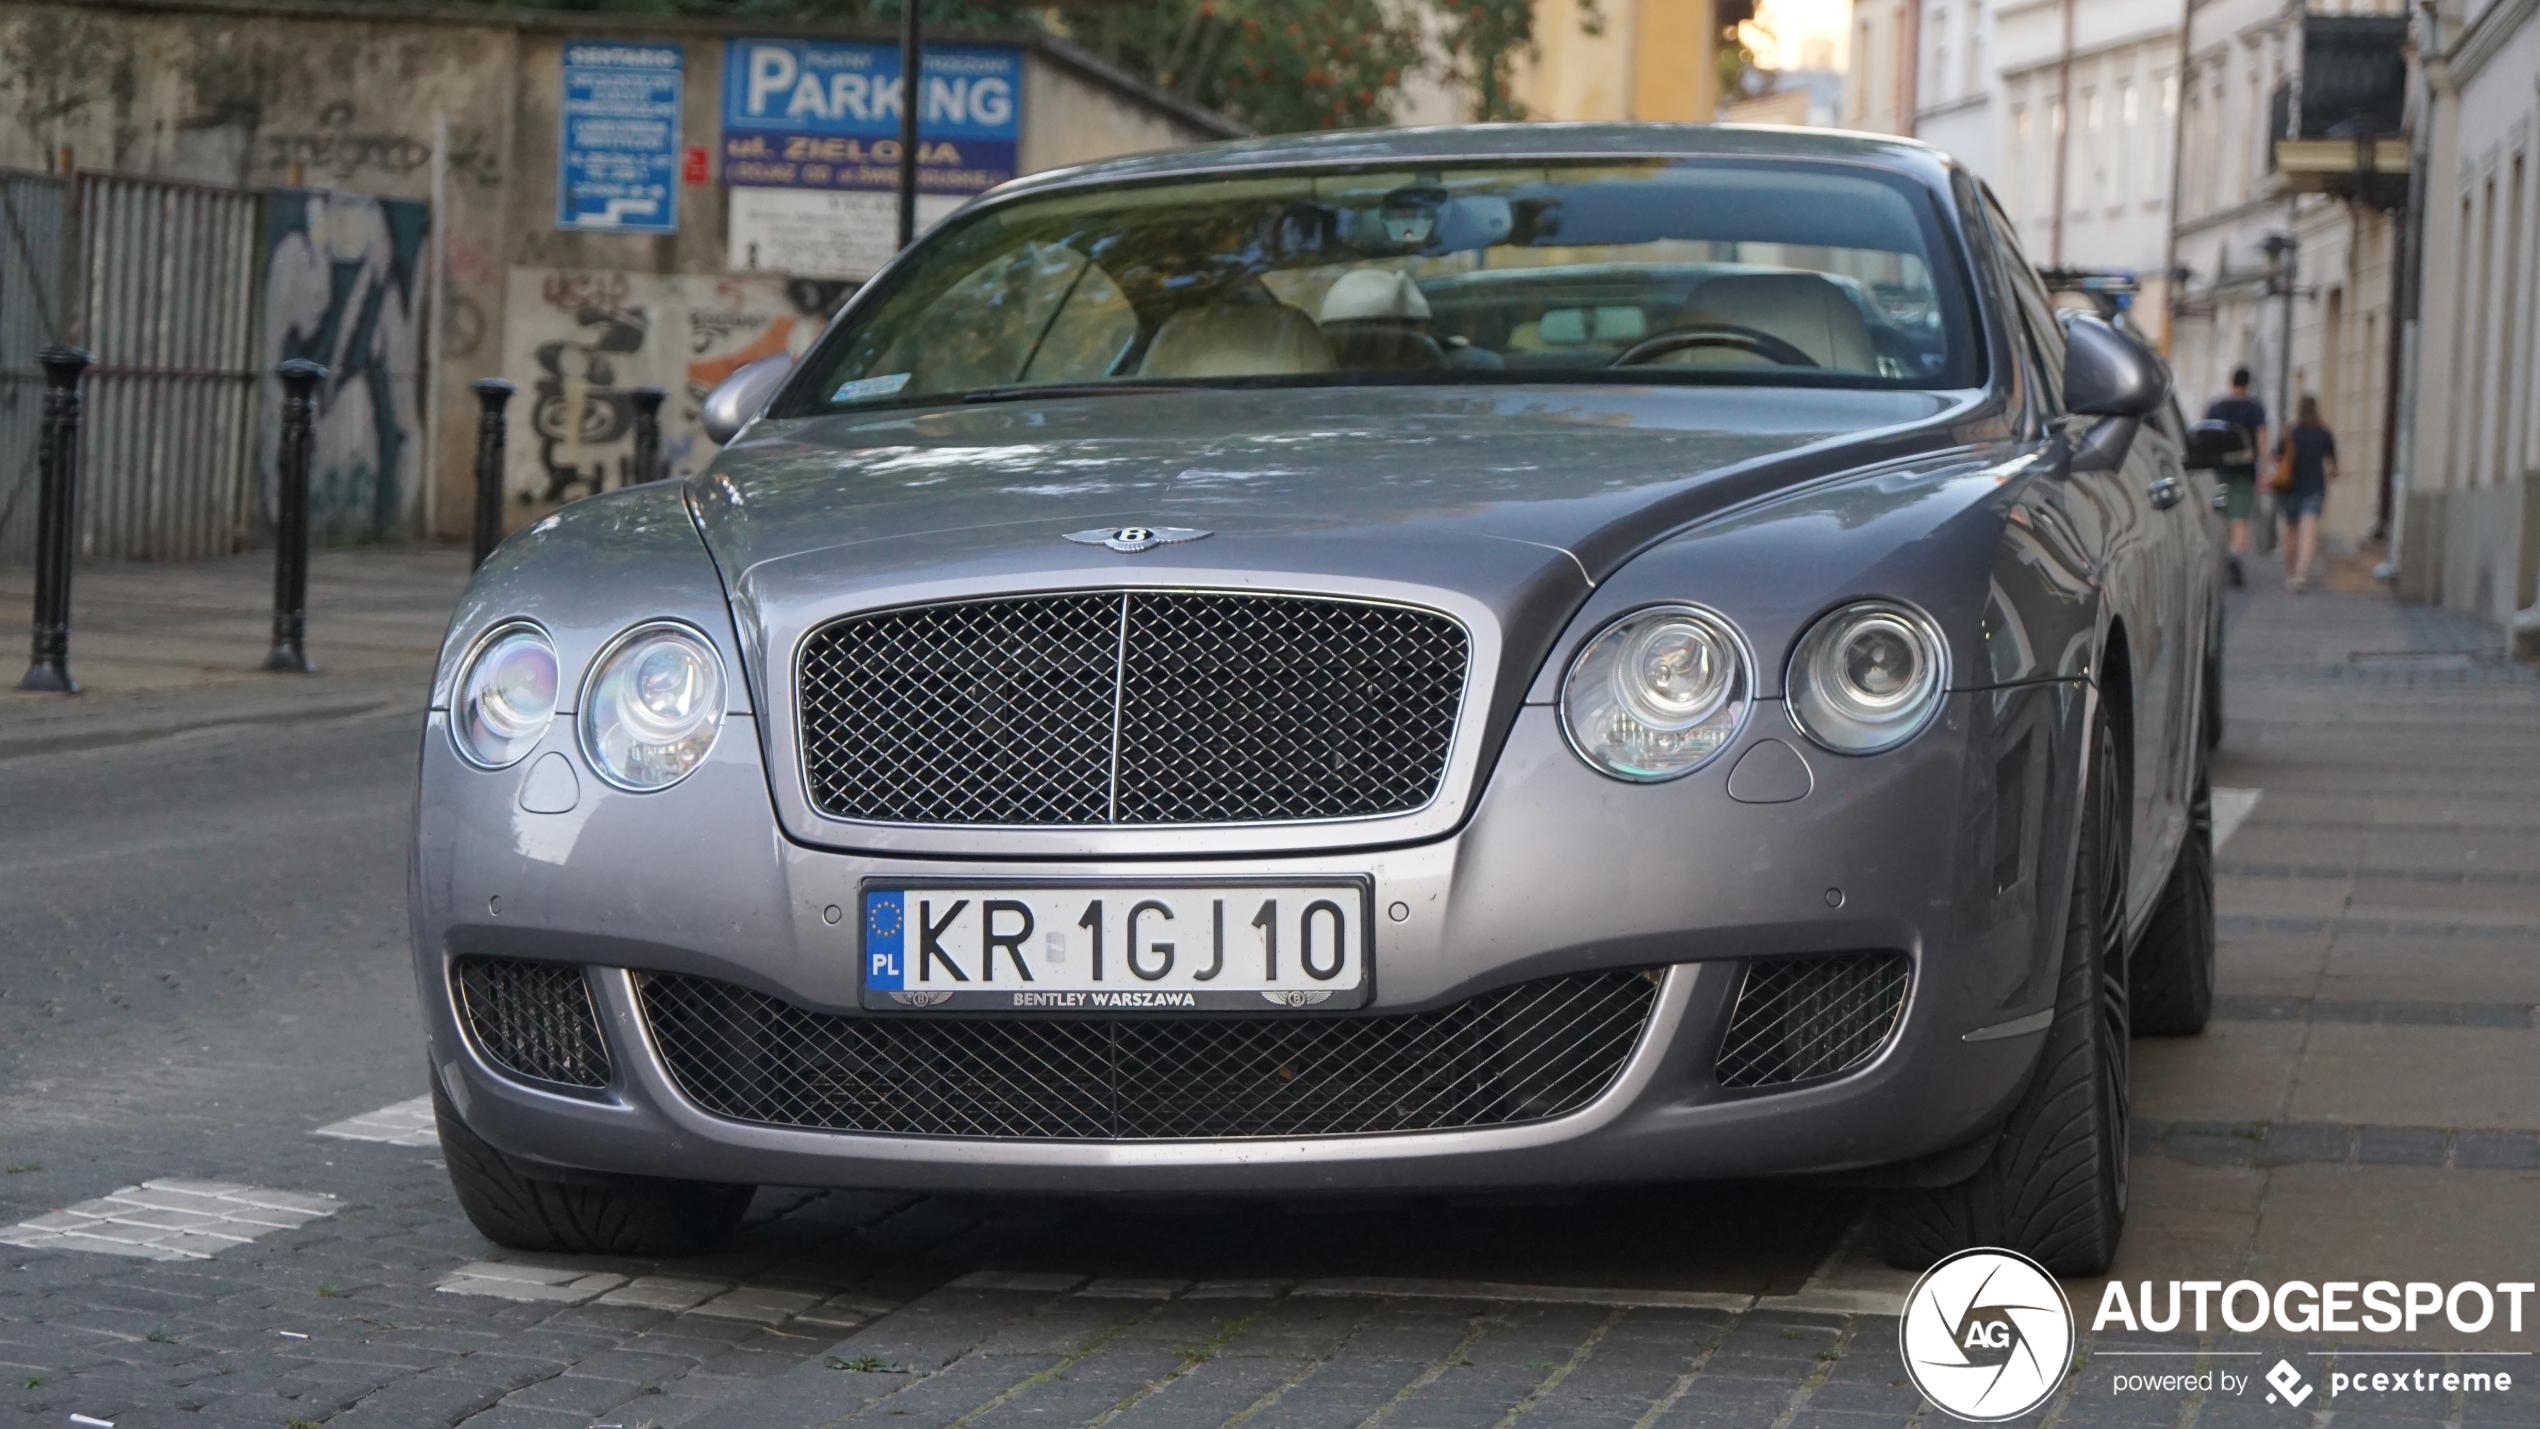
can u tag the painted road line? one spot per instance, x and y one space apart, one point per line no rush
1385 1287
170 1220
565 1284
2231 810
406 1123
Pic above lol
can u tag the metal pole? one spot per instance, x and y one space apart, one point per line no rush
57 519
492 393
912 101
300 378
647 402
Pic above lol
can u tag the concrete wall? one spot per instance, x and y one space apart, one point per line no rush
261 93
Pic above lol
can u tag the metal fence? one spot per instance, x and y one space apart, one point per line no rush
170 276
31 210
173 286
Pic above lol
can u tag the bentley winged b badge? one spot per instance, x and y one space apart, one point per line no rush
1133 539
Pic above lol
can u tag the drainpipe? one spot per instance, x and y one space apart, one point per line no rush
2398 470
2063 121
2171 282
1909 68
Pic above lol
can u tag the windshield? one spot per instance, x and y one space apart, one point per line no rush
1657 271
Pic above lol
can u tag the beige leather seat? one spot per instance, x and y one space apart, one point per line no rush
1801 309
1376 319
1237 340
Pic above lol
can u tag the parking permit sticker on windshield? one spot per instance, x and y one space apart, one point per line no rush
864 387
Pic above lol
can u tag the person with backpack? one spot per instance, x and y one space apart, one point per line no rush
2306 462
2240 473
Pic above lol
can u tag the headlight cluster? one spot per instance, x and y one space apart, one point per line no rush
1657 693
507 698
650 711
1868 677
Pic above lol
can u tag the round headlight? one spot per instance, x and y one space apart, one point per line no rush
653 707
1868 677
506 698
1656 693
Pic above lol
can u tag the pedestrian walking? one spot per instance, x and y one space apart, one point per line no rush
2306 462
2239 472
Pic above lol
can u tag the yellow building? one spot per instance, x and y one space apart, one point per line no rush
1635 59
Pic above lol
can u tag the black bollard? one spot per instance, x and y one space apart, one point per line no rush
647 402
57 519
300 378
493 393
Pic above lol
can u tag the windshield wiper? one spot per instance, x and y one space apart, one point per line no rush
1072 389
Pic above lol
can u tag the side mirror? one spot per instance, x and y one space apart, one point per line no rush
2109 374
2214 445
742 396
2114 377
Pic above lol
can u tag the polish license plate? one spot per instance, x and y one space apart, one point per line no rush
1116 948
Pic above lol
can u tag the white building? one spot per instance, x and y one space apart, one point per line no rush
2065 107
2293 120
2470 523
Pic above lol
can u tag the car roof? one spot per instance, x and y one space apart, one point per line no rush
1502 141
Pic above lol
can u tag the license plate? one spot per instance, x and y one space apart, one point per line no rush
1112 948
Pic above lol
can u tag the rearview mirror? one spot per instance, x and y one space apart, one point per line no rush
738 400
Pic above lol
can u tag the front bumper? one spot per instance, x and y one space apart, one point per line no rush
1953 851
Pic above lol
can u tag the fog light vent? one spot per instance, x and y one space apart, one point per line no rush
1806 1019
534 1020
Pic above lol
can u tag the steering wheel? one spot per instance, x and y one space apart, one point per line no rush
1730 335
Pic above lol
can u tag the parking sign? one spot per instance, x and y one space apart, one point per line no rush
618 162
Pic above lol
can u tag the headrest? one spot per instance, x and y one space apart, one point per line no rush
1237 340
1801 309
1364 293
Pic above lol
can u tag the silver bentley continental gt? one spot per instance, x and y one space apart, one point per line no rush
1479 659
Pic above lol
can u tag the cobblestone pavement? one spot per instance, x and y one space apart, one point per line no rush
207 1046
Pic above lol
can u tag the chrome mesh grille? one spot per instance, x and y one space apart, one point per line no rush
1128 708
534 1020
1525 1053
1802 1019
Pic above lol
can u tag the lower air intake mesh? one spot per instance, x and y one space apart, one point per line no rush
1804 1019
1525 1053
534 1020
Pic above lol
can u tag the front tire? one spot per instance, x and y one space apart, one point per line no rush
2173 968
2054 1188
631 1215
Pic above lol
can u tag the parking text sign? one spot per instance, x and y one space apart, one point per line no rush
818 114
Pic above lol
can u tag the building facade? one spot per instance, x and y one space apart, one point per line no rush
2064 107
2469 516
2288 220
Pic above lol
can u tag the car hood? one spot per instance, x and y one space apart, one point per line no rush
1580 478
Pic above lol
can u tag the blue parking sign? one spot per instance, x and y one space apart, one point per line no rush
618 159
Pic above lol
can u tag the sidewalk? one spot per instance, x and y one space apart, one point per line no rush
159 649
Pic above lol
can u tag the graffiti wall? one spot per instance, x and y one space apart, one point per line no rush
343 287
579 342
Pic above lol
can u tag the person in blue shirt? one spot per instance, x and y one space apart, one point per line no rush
2314 451
2240 473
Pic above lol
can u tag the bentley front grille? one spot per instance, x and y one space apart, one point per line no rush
534 1020
1130 708
1524 1053
1808 1018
